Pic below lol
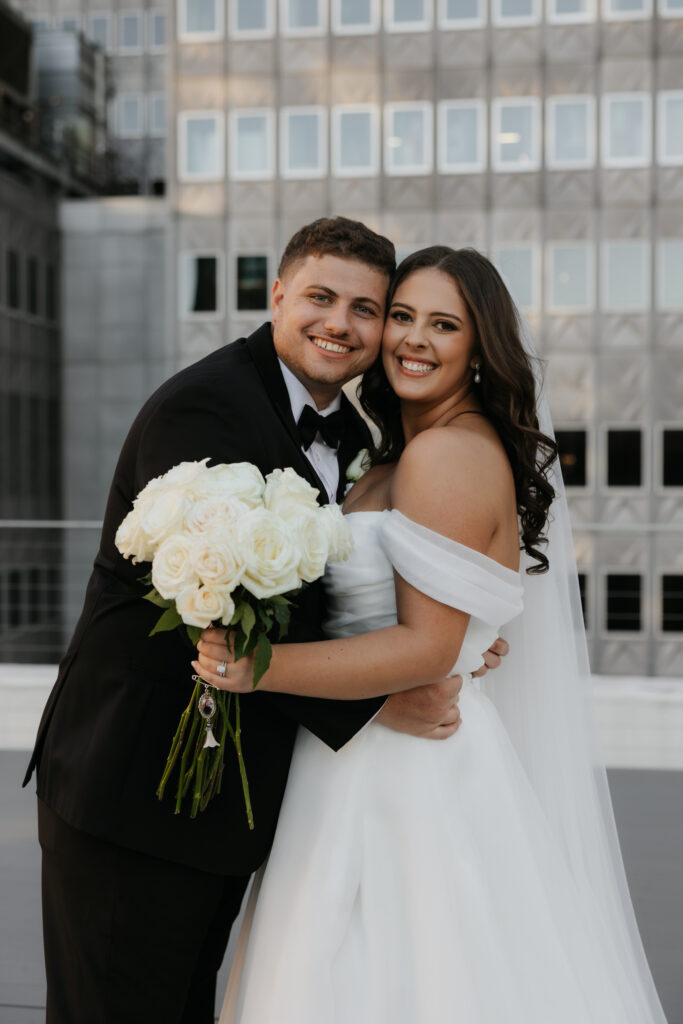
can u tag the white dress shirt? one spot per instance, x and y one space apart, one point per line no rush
320 455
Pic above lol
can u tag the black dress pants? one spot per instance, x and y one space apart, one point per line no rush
129 939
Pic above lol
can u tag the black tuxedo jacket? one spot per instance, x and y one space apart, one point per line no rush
109 721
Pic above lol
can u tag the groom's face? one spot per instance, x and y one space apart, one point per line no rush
328 315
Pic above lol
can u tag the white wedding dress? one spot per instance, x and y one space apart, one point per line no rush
414 881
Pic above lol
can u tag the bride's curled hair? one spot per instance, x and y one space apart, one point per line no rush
507 391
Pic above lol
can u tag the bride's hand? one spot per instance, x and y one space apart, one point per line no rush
215 652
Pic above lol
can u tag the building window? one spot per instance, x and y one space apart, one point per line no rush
251 19
200 20
461 13
671 8
515 134
303 142
200 146
462 136
252 292
201 276
32 285
571 277
15 602
672 457
570 12
626 130
517 265
130 122
50 292
303 17
130 32
570 131
13 280
157 114
408 143
355 133
355 17
670 273
583 594
514 13
670 127
626 10
626 276
624 602
156 42
99 31
407 15
624 457
252 144
672 604
573 446
70 23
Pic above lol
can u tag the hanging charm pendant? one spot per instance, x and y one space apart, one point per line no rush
206 705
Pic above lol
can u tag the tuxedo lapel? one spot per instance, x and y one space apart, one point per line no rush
262 350
356 436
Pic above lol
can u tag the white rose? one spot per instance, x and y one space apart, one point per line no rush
131 539
287 493
210 513
359 466
172 568
163 514
236 480
217 560
270 552
185 475
313 540
200 606
339 534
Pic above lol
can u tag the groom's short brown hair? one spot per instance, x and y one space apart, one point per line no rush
339 236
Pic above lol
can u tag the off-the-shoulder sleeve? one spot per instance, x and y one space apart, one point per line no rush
449 572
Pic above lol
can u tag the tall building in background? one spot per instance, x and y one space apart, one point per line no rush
548 136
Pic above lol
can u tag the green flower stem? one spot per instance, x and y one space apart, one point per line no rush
183 763
177 742
236 736
198 783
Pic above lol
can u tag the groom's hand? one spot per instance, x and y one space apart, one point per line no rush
430 711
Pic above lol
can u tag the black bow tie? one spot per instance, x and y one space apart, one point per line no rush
330 428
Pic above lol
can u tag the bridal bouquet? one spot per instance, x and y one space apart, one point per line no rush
228 548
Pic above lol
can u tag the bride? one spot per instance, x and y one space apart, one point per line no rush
477 880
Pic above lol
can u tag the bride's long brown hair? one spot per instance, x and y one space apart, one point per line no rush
507 391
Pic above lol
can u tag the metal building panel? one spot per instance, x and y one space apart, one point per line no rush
570 381
305 54
522 46
620 657
355 85
251 57
355 51
359 195
669 184
669 333
251 199
409 193
624 387
460 191
308 199
669 658
625 186
409 50
522 189
626 38
197 60
461 227
624 331
569 333
462 48
570 44
201 200
302 90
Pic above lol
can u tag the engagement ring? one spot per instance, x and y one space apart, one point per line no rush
221 669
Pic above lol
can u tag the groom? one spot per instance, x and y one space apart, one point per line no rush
138 902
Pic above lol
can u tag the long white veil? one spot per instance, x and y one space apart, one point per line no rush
543 692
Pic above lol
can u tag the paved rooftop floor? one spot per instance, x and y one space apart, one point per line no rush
649 812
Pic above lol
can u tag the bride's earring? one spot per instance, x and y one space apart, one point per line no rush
477 374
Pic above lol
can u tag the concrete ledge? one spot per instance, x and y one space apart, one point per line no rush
640 718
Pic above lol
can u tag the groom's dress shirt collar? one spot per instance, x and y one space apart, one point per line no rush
322 458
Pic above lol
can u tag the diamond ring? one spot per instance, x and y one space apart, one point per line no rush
221 669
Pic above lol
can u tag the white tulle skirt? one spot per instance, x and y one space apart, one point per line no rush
418 882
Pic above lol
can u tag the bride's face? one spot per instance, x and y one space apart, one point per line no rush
429 339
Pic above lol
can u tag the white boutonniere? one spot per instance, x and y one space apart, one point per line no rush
357 468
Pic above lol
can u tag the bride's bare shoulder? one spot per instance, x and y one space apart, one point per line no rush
455 479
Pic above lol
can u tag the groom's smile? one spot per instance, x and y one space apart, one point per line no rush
328 316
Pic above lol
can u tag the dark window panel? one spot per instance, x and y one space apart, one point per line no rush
583 589
13 280
32 284
34 597
14 598
624 458
252 282
572 445
672 604
204 299
624 600
672 444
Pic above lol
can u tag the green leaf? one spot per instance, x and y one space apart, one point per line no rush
265 618
278 599
262 658
194 633
248 619
237 616
169 620
155 597
239 645
282 613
